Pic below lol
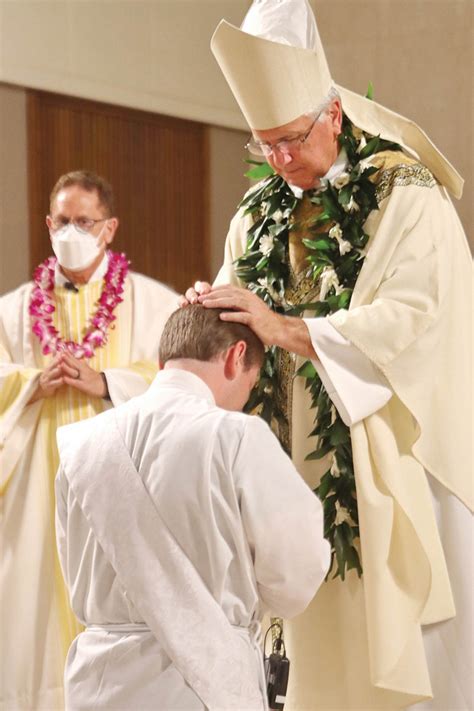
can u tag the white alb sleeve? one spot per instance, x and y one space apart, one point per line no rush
283 522
356 387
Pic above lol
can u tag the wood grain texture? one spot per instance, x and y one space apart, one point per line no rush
158 167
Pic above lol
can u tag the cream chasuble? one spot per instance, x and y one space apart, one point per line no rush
37 623
359 645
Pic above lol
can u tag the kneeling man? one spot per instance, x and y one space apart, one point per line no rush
180 521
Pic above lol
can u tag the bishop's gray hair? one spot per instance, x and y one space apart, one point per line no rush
320 111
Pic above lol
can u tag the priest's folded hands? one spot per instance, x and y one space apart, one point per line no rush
247 308
65 369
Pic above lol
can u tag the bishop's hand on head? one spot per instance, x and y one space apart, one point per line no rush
192 294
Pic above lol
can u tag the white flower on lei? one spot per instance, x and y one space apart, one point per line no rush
342 514
362 142
266 245
336 233
328 280
335 469
352 206
266 284
344 247
341 180
277 216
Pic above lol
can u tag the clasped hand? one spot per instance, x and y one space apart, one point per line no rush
65 369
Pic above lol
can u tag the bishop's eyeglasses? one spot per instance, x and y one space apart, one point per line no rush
284 145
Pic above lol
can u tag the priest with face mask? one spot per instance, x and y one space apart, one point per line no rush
350 263
81 338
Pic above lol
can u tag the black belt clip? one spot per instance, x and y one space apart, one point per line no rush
277 669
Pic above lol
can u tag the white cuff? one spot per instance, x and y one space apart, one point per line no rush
123 384
356 387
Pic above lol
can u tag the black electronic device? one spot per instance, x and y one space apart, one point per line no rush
277 669
71 287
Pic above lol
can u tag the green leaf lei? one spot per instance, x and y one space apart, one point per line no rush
336 254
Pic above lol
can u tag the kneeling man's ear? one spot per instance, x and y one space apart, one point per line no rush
234 359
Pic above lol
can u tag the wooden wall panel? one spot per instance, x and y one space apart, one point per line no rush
157 165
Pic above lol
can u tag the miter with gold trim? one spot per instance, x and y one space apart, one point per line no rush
274 83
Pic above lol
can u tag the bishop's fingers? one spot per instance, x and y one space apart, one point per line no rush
190 297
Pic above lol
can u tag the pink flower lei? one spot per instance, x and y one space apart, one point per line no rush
42 307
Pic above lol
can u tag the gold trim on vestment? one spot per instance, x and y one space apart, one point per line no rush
301 289
402 175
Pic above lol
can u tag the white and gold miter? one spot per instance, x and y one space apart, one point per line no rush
275 82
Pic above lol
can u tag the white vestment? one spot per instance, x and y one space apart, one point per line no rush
173 528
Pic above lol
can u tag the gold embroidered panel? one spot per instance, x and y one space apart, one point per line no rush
401 175
301 289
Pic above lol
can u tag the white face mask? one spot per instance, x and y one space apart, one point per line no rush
75 250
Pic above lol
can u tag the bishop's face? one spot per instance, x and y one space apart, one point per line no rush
304 163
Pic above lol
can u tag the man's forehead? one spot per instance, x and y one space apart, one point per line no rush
77 198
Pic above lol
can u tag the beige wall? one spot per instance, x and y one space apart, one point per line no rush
145 54
13 188
419 56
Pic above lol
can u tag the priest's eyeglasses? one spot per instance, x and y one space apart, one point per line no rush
284 145
82 224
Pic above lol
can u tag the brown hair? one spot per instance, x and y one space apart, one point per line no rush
198 333
91 182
